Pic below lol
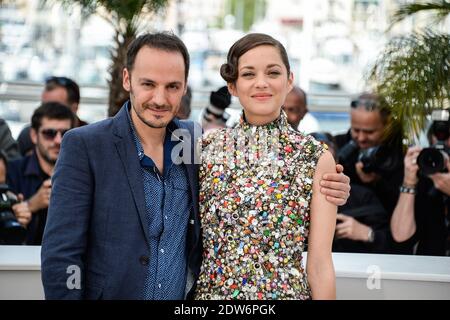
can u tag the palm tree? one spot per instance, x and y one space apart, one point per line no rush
127 18
413 71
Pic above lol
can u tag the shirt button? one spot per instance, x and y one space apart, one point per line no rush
144 260
159 285
165 217
162 250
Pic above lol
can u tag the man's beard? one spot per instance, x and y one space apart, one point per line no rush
45 155
151 124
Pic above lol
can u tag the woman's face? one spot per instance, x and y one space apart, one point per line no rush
262 84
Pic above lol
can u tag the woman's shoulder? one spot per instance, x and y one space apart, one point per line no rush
306 142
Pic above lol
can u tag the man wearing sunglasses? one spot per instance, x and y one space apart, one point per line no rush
57 89
372 158
30 176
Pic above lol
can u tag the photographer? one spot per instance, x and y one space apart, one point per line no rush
373 161
363 223
14 214
421 215
30 175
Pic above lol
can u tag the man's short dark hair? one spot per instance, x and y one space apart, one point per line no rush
72 88
165 41
53 111
301 93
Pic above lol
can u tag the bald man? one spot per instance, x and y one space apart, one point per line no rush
297 113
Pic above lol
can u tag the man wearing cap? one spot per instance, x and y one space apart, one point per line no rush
214 115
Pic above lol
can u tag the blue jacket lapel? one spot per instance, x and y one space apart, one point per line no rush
130 161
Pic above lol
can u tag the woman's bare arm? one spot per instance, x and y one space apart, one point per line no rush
319 267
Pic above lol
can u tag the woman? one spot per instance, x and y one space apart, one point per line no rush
259 190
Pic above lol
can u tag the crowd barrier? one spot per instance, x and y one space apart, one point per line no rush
358 276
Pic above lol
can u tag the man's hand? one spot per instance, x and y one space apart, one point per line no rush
442 180
365 177
336 186
41 198
411 167
351 229
22 211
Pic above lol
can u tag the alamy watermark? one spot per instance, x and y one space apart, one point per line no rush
74 279
374 277
238 148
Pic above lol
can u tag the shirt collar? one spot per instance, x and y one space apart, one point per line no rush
33 168
168 143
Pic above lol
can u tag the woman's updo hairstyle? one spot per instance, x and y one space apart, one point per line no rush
229 70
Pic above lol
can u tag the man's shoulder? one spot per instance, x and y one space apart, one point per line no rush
187 124
19 165
93 130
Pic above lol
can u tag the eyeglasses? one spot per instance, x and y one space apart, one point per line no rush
50 134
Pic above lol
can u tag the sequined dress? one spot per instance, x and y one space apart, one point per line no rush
255 193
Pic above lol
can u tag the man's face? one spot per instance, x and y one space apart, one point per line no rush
156 85
47 142
295 108
58 94
366 127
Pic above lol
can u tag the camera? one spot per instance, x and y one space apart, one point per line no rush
347 152
11 231
379 159
434 159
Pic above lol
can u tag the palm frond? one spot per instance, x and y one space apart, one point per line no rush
126 18
439 8
413 74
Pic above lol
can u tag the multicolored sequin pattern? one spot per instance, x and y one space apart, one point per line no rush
255 211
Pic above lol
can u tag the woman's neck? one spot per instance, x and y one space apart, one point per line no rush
260 120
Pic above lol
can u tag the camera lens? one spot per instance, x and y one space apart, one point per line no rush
11 231
369 157
431 160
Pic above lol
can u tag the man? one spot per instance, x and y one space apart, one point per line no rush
30 176
374 162
297 112
7 142
132 207
185 106
57 89
214 116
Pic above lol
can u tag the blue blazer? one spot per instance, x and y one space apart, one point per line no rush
96 225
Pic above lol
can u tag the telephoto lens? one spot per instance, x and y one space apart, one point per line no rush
432 160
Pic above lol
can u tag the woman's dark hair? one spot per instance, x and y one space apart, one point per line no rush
165 41
229 70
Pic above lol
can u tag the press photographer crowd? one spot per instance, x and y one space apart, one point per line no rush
399 196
